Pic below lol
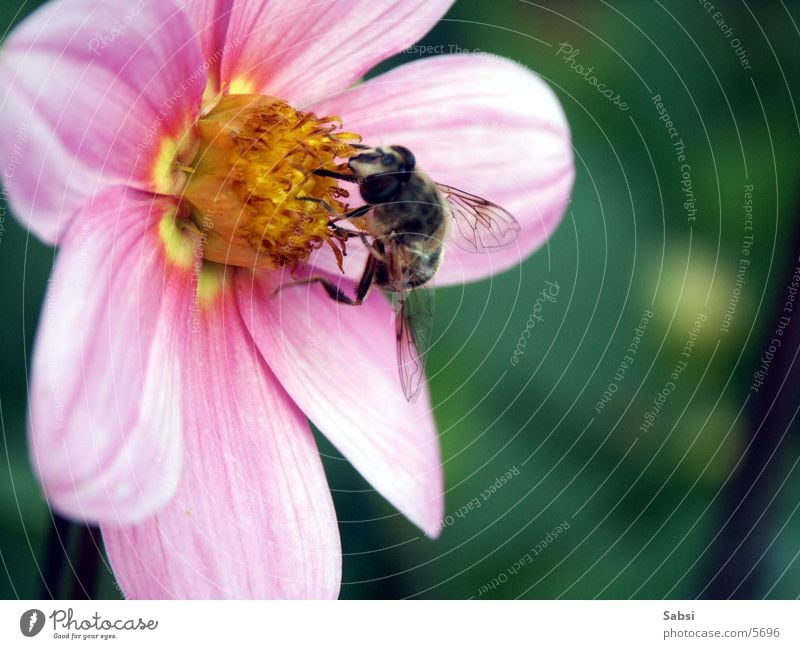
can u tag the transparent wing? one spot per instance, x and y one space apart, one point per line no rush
413 324
479 225
414 328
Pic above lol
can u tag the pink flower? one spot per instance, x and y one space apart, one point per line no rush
170 392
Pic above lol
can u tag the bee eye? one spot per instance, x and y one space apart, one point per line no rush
388 159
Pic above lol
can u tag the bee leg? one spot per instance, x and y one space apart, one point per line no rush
334 292
348 234
358 211
352 214
376 249
319 201
367 277
350 178
351 234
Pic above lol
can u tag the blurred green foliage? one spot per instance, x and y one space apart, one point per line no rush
642 508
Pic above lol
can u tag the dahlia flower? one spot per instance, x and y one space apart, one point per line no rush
168 150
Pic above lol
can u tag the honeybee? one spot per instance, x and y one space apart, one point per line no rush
408 219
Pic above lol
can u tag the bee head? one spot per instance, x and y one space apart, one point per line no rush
405 160
382 172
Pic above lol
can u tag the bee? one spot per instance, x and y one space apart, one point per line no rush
409 217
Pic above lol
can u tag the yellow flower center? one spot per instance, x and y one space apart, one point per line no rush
249 197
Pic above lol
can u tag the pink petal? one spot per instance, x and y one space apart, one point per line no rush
301 50
479 123
253 516
91 87
105 427
339 365
210 19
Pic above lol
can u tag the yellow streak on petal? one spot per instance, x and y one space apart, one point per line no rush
168 173
209 283
241 86
163 174
177 245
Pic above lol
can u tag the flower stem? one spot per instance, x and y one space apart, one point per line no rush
56 558
87 563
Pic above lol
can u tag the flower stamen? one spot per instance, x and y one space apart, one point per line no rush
251 191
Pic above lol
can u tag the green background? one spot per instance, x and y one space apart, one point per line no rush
643 509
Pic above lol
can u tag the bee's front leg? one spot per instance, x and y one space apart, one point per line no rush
334 292
335 216
350 178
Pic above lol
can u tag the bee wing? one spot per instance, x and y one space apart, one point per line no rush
479 225
414 329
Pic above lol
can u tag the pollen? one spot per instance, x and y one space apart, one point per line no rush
252 197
